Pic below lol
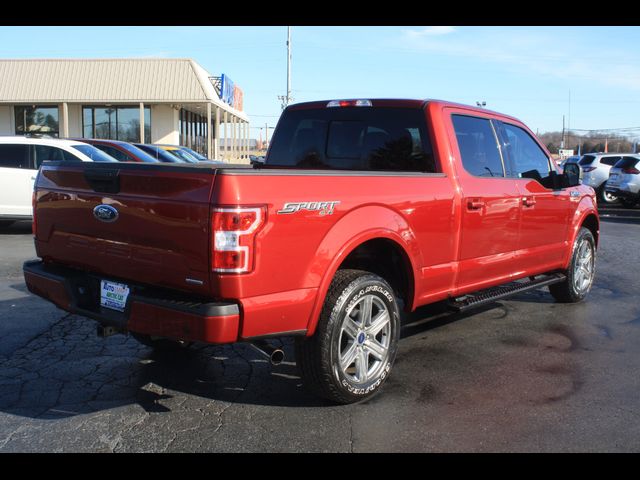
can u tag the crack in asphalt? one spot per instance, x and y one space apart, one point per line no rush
351 448
11 435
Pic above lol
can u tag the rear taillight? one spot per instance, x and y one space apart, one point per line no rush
33 205
234 231
631 170
588 169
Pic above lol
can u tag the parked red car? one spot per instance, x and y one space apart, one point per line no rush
362 209
121 151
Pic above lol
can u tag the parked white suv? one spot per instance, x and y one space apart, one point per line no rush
20 158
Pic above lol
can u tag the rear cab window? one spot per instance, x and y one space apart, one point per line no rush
353 138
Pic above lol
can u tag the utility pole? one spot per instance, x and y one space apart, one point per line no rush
287 99
569 121
562 141
266 134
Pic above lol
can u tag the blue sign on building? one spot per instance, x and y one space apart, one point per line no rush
226 90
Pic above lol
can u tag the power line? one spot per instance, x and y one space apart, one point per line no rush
605 129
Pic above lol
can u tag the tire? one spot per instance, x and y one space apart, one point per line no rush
606 198
6 223
581 270
369 348
160 343
628 202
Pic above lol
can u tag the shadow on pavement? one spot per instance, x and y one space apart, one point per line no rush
21 227
67 370
619 214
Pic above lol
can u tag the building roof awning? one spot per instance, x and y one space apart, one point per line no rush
147 80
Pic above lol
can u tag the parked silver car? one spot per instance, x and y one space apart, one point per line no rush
595 169
571 159
624 180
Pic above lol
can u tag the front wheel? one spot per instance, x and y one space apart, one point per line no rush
356 341
581 270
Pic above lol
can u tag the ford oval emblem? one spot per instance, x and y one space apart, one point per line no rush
105 213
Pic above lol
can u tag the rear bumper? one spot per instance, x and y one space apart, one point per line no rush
148 311
618 192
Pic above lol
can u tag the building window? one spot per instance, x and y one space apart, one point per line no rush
193 131
116 123
42 120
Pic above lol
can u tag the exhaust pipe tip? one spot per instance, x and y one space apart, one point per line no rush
275 355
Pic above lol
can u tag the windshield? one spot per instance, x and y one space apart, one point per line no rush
193 153
352 138
158 153
141 154
182 155
94 154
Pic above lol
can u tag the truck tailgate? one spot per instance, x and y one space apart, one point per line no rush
160 236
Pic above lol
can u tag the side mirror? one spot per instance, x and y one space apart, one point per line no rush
571 175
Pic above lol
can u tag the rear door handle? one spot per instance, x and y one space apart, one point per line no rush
475 204
528 201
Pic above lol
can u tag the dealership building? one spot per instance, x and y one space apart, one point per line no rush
165 100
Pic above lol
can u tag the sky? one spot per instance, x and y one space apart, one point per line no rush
591 75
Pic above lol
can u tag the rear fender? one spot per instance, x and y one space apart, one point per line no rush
359 226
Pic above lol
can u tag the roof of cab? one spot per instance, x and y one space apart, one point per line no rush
403 103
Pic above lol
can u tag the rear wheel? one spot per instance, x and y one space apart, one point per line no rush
355 344
606 197
581 270
160 343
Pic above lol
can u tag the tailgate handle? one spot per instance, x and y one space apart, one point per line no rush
104 181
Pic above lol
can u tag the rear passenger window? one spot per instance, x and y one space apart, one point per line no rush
611 161
526 158
14 156
478 146
46 153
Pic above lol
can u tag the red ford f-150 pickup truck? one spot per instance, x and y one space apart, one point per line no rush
363 209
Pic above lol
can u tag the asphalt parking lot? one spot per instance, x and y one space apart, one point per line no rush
526 374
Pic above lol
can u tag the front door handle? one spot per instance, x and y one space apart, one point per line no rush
528 201
475 204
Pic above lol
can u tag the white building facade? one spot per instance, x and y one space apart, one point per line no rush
164 101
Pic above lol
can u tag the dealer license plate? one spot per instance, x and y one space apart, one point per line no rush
113 295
